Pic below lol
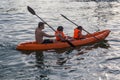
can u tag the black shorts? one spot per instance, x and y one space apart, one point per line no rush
47 41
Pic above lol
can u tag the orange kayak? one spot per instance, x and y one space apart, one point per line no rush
101 35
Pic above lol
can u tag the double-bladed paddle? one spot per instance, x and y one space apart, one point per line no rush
33 12
78 25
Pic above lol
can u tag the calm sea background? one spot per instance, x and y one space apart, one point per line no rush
92 62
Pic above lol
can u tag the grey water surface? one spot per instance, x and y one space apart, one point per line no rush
92 62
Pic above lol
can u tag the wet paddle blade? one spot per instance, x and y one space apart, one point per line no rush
31 10
70 43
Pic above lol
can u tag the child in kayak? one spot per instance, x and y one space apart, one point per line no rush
60 36
39 34
78 33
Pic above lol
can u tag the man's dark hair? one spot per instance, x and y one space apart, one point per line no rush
40 24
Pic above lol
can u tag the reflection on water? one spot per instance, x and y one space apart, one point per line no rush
39 59
40 65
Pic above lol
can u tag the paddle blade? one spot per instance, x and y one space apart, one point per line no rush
70 43
31 10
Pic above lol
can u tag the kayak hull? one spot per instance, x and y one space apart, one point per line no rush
98 36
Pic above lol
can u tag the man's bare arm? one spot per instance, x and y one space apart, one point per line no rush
47 35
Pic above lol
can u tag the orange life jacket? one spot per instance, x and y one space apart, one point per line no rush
60 33
77 34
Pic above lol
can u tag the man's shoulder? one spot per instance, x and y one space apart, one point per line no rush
39 31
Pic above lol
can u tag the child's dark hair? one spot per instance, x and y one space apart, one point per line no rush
60 28
79 27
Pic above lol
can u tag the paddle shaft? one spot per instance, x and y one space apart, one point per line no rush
78 25
45 22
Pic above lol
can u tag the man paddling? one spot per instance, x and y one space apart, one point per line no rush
39 34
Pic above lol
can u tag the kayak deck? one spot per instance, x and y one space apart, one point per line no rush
89 39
